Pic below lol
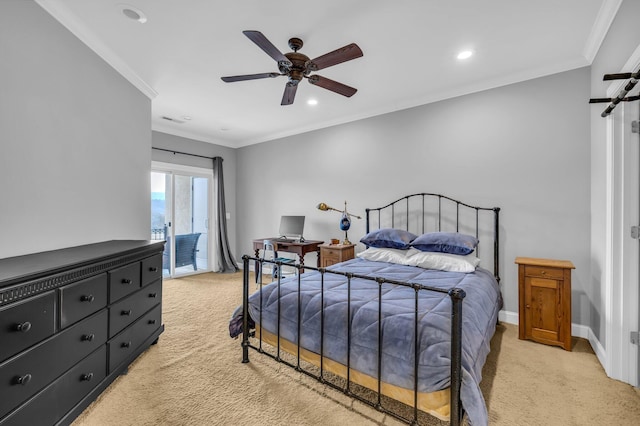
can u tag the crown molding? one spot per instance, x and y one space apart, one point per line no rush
85 35
606 15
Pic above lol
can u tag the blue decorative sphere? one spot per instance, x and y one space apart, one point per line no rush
345 222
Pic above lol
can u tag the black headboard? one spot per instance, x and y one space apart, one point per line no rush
427 212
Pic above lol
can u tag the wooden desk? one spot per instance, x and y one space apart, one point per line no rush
301 249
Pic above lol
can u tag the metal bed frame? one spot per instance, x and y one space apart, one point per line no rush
406 213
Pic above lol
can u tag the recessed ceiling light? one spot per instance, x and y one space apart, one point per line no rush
465 54
312 102
186 117
224 129
133 13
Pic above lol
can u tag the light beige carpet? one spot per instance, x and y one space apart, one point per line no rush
194 376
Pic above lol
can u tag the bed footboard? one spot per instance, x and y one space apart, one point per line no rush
457 296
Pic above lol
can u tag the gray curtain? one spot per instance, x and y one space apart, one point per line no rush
223 257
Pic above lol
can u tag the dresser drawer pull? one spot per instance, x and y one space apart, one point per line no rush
152 321
88 298
24 327
125 345
126 281
153 269
24 380
88 337
153 295
126 313
87 377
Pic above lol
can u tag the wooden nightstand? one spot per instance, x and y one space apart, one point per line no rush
544 288
335 253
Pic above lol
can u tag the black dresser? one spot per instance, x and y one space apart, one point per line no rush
71 321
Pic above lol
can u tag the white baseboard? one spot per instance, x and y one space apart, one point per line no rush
508 317
577 330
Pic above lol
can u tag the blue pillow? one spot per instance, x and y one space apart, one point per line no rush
446 242
388 238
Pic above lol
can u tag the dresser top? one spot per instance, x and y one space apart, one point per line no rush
551 263
32 266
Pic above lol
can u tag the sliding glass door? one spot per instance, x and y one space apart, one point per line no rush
180 201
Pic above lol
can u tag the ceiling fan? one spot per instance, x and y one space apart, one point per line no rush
297 66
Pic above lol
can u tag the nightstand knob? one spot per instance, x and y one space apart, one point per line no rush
126 281
543 272
88 298
87 377
126 313
88 337
527 306
125 345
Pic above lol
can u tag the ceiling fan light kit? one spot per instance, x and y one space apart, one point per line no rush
297 66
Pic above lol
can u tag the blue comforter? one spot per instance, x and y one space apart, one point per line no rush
479 313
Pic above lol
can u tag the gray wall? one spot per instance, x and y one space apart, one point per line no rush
75 140
522 147
229 167
621 41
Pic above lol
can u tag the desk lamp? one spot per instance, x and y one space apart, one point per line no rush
345 220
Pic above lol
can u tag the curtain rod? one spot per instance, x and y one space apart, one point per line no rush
183 153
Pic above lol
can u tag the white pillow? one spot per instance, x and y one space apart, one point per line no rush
385 255
442 261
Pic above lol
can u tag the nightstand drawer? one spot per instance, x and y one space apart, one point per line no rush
329 252
544 272
26 323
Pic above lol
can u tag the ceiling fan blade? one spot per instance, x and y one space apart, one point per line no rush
334 86
619 76
289 93
263 43
250 77
346 53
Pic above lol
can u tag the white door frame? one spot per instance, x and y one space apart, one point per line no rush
621 265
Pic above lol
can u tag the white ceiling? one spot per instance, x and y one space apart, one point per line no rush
178 56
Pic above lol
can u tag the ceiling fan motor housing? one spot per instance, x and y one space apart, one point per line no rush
298 69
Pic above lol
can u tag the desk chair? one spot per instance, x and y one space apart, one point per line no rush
272 246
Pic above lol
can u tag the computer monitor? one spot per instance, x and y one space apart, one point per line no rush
291 227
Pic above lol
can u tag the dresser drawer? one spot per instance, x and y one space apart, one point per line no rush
126 311
26 374
81 299
544 272
63 394
26 323
151 269
125 343
124 281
